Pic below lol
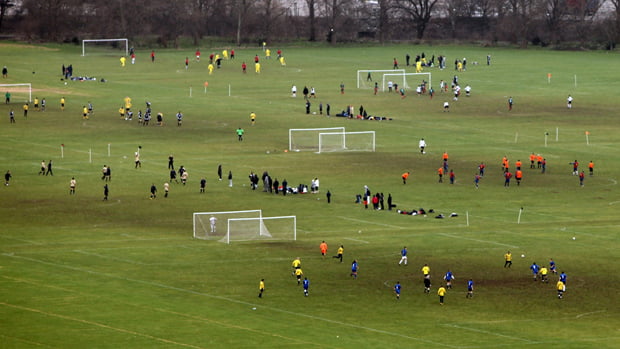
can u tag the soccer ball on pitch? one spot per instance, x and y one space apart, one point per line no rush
522 256
574 238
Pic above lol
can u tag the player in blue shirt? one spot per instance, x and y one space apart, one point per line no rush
470 289
397 290
552 266
403 256
563 277
354 268
449 277
306 284
535 268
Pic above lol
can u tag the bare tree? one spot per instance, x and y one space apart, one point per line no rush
312 19
273 11
454 9
5 5
616 4
335 12
554 11
420 11
385 6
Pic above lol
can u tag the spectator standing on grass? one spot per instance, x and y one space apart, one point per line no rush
153 191
166 189
230 179
49 169
219 171
43 168
7 177
170 162
329 197
5 72
72 184
106 191
203 184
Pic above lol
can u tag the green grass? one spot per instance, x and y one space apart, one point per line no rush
80 272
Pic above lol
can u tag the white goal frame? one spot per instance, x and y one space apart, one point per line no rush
257 213
404 76
263 232
18 85
105 40
344 141
362 72
292 146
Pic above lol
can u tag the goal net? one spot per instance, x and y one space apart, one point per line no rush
307 139
367 78
406 80
346 141
262 228
104 45
245 225
18 93
214 225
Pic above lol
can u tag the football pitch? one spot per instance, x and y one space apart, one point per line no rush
78 271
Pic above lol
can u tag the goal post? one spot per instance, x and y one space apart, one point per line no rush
307 139
401 79
214 225
346 141
362 76
122 40
261 228
18 92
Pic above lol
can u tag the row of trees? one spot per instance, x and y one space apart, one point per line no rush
244 21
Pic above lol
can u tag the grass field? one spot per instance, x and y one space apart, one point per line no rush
76 271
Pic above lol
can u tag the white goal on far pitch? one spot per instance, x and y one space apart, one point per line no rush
363 75
402 81
346 141
19 92
124 44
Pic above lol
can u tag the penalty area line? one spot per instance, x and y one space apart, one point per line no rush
221 298
370 222
357 240
485 241
491 333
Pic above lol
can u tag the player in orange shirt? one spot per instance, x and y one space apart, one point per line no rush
591 168
518 164
539 160
323 247
404 177
518 176
532 160
440 173
504 161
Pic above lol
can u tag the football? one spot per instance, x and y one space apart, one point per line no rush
522 256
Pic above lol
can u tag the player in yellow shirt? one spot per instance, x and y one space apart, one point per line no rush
441 292
339 253
426 270
299 275
253 118
561 288
62 104
85 113
25 107
261 288
296 265
121 111
210 67
257 68
508 259
36 103
543 274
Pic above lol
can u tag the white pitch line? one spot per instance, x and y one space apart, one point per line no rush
370 222
590 313
492 333
97 324
362 241
110 258
485 241
231 300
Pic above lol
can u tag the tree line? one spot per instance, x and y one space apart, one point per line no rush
587 23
